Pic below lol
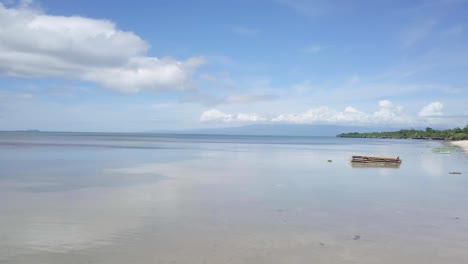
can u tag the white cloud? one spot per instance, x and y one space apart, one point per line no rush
249 118
214 115
387 114
324 115
34 44
431 110
311 116
147 73
352 115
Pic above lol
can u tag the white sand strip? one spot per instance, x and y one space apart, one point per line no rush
462 144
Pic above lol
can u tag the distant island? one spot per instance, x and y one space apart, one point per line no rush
429 133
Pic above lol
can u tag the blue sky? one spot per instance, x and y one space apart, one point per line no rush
164 65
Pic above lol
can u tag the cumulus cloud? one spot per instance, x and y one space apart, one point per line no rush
147 73
310 116
324 115
388 114
431 110
249 118
35 44
214 115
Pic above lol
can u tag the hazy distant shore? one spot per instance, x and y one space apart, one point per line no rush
462 144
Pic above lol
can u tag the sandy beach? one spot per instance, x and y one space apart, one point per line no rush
462 144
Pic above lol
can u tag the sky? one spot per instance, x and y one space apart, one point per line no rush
173 65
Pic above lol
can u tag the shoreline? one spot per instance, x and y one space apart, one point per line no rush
463 144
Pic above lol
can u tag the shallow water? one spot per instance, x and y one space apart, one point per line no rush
129 198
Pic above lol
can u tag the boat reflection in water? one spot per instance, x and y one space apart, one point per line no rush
375 165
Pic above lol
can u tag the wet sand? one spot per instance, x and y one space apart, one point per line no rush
463 144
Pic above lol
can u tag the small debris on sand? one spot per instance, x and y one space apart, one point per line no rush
455 172
330 161
356 237
322 244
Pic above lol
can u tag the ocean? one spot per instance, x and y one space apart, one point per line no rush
173 198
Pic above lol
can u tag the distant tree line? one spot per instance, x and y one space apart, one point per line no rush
429 133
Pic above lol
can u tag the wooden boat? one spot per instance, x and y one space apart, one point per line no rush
376 159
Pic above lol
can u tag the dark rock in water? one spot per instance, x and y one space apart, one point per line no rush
455 172
356 237
322 244
329 160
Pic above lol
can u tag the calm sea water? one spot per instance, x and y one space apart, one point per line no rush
132 198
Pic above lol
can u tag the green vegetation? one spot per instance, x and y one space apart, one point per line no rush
429 133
